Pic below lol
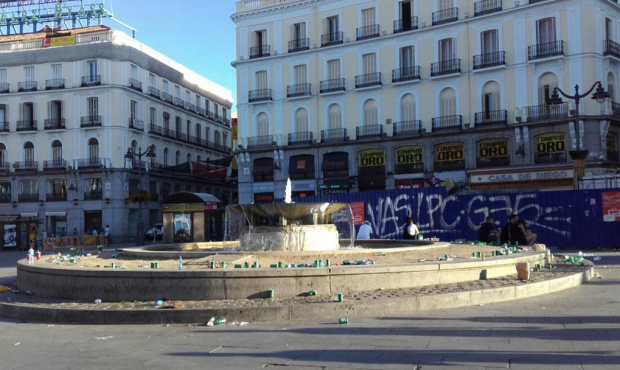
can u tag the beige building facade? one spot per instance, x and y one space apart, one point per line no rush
346 95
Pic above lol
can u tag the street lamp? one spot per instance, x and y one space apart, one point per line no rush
149 153
579 155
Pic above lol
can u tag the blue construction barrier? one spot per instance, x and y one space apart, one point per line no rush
565 219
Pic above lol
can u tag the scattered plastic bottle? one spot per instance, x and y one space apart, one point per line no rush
180 263
30 256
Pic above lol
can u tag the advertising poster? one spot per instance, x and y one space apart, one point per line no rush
372 158
409 160
611 206
182 227
358 213
550 143
10 236
59 41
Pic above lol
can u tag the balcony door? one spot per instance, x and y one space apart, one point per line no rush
57 152
407 58
93 108
545 31
368 17
3 118
446 50
29 74
54 111
3 76
406 13
333 69
608 30
489 42
27 112
29 153
93 151
332 28
260 40
299 32
261 81
447 103
92 69
300 75
369 62
445 4
56 71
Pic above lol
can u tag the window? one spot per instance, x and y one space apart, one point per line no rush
299 31
166 122
28 153
216 107
29 74
225 139
369 62
407 58
545 31
56 72
332 28
260 39
333 69
207 133
166 157
134 72
189 157
334 120
177 91
177 125
152 80
489 42
198 101
610 87
207 105
57 189
92 189
166 86
93 107
3 158
133 109
29 187
406 13
3 76
4 124
188 126
446 50
93 150
153 117
27 112
301 120
217 138
546 84
490 98
300 74
262 125
224 113
368 17
56 152
177 158
198 133
447 103
188 96
407 108
445 4
371 113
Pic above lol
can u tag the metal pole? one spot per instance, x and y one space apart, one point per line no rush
140 238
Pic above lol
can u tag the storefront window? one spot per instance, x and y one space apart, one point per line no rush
29 191
371 170
612 147
450 157
336 165
56 225
5 192
301 167
409 160
550 148
56 190
493 153
93 190
263 170
182 227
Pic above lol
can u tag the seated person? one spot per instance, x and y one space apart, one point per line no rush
487 233
512 233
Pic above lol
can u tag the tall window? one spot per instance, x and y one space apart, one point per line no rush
334 119
224 113
447 103
446 50
406 13
166 87
57 152
153 117
369 64
166 121
407 57
216 107
198 133
262 125
445 4
177 125
92 69
28 153
333 69
371 113
546 84
166 157
134 72
207 105
332 28
4 125
152 80
207 133
198 101
301 120
260 39
3 76
491 97
56 71
489 42
177 92
93 150
225 139
610 87
29 74
299 31
93 107
608 30
217 138
545 31
134 108
188 126
300 74
407 108
3 158
368 17
177 158
261 83
27 112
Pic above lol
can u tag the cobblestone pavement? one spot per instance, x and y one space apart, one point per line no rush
574 329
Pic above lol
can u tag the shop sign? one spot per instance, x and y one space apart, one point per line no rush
372 158
612 142
8 218
263 198
524 176
450 153
329 190
408 184
58 41
493 149
550 143
176 208
410 155
611 206
357 208
210 206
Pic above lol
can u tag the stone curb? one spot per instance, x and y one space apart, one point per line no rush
378 307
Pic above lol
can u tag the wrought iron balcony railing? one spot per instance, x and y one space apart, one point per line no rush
91 80
153 92
259 95
487 7
178 102
406 74
334 85
611 48
4 88
447 123
258 142
497 58
299 90
55 165
27 86
298 45
368 32
368 80
546 112
136 124
28 198
55 124
260 51
93 195
404 25
369 132
407 128
445 16
334 135
55 84
166 97
330 39
26 166
56 197
548 49
446 67
135 84
91 121
90 163
491 118
299 138
26 125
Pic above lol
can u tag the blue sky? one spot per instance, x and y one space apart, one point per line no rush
196 33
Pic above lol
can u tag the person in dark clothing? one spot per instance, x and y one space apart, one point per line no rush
512 232
487 233
406 235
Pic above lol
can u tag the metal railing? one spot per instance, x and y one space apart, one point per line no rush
546 112
54 124
93 195
330 39
615 109
90 163
447 123
5 167
27 86
446 67
368 32
258 142
406 74
337 84
367 80
90 121
91 80
259 95
26 125
4 88
5 198
403 25
178 102
56 197
55 164
26 166
4 127
545 50
153 92
490 118
369 132
201 111
487 6
445 16
190 107
260 51
539 1
299 90
407 128
298 45
166 97
334 135
136 124
493 59
135 84
611 48
297 138
155 130
553 157
55 84
28 198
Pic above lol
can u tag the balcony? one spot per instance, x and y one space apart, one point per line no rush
4 88
548 158
4 127
335 135
298 45
155 130
27 86
136 124
90 163
26 125
406 74
487 6
546 50
166 97
90 121
28 166
300 138
135 84
153 92
55 165
55 124
445 16
93 80
404 25
448 123
55 84
260 51
487 60
259 95
56 197
407 128
5 198
5 167
369 132
328 86
331 39
178 102
295 91
28 198
201 111
368 80
258 142
368 32
609 48
93 195
491 118
546 112
446 67
190 107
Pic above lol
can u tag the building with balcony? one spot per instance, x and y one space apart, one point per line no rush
68 118
391 92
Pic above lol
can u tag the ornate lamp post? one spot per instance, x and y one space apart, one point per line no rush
149 153
579 155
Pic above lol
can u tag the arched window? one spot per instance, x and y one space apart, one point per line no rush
3 158
491 97
301 120
166 157
189 157
334 119
93 150
447 103
407 108
371 113
611 83
154 159
546 83
56 152
134 146
28 153
177 158
262 125
199 158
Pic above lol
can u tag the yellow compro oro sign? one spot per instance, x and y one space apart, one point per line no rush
58 41
612 142
493 149
180 208
372 158
450 153
551 143
410 155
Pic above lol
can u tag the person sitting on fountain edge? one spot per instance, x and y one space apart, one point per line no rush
365 232
487 234
410 230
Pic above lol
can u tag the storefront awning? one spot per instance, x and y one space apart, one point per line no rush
55 214
301 164
263 167
336 162
29 214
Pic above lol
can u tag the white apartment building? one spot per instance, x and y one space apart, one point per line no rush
69 114
356 95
